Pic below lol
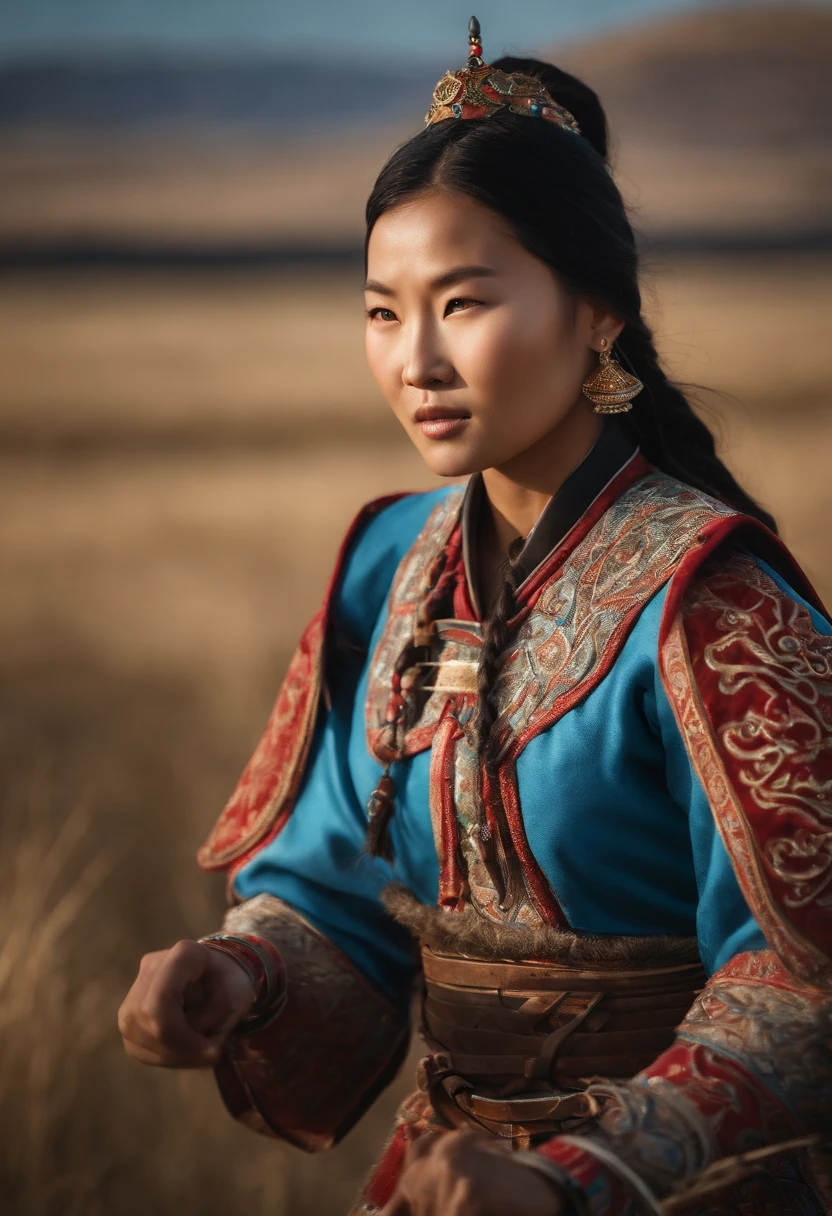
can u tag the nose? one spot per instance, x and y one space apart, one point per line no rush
426 364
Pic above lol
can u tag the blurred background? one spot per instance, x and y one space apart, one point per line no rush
187 427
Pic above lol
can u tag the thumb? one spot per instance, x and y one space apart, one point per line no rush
216 1016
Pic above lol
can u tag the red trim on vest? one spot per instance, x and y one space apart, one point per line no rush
710 537
748 679
765 543
265 794
543 896
528 591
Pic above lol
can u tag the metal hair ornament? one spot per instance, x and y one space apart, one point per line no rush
478 91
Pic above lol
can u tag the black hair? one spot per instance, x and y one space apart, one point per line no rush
555 190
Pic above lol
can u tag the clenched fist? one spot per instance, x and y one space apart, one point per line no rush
183 1006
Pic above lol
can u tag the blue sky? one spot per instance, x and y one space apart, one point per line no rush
413 28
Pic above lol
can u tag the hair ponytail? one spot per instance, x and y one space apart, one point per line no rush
671 435
494 640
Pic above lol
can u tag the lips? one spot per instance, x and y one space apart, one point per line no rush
441 421
431 413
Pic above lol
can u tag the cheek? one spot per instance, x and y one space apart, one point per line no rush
525 358
383 363
375 361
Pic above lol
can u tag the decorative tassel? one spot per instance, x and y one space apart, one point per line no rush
380 810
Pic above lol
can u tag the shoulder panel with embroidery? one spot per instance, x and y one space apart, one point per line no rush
750 681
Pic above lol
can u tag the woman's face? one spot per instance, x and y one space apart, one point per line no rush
476 346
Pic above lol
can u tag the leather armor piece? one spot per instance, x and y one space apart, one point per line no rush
515 1043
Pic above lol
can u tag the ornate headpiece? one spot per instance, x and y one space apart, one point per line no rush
478 91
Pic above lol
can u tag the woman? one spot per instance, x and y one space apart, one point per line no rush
567 725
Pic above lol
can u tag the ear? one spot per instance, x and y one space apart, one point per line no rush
596 322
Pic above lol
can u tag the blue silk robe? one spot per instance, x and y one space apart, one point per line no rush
662 773
614 813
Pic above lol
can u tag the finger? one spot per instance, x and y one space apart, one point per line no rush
162 1012
420 1186
161 1058
398 1206
219 1036
436 1178
422 1146
460 1199
154 969
146 1038
214 1017
139 988
183 967
163 1020
157 1026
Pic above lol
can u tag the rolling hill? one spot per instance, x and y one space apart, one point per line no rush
721 124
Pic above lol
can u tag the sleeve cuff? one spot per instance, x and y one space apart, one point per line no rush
263 963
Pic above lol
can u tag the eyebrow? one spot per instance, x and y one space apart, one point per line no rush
449 279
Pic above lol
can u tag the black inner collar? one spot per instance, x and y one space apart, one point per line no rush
608 455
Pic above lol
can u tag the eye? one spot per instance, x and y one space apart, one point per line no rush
459 304
382 314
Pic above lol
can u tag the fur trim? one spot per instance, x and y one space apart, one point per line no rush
467 933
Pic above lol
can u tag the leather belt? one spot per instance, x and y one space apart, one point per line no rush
515 1043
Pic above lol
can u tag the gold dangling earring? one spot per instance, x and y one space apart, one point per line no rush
609 387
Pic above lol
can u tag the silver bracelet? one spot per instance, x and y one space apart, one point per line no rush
241 962
268 1003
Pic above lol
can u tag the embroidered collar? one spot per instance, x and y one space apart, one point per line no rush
613 449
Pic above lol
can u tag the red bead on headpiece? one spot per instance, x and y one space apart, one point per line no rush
478 91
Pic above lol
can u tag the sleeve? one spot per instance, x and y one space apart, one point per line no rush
318 864
725 925
308 887
747 669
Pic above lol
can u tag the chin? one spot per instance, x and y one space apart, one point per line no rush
450 460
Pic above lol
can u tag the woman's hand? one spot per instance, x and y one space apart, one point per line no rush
468 1173
183 1005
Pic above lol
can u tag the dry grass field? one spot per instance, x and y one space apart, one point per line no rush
179 457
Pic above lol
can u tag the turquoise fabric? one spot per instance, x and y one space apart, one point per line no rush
613 811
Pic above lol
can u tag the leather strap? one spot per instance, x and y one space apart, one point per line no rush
515 1042
457 970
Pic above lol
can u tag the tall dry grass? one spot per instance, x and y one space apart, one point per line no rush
107 782
159 561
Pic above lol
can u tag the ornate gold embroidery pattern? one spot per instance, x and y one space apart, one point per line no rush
754 1010
802 957
625 558
774 650
517 907
408 590
465 90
